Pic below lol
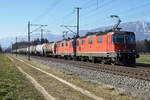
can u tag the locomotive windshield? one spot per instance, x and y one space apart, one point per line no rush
117 38
131 39
121 39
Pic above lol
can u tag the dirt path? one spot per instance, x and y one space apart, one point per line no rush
35 83
83 91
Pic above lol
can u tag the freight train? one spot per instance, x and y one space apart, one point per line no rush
111 47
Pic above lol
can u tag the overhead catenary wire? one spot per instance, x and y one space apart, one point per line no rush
92 10
130 10
89 4
124 12
86 3
85 6
47 10
68 16
95 9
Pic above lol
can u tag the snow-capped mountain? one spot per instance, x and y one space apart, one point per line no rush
140 28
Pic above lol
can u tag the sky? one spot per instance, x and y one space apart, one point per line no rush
15 14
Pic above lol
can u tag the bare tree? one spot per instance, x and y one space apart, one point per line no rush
0 48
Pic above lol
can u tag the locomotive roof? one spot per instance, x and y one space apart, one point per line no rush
106 32
124 32
98 34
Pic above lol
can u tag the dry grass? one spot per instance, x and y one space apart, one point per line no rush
13 84
55 88
99 90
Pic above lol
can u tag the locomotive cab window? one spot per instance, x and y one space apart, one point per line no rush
90 41
99 40
112 39
62 44
131 39
119 39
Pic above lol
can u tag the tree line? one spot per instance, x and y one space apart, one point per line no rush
24 44
143 46
1 49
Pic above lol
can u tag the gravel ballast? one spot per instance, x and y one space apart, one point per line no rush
135 87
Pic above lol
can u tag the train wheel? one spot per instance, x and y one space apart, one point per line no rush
65 57
103 61
113 63
83 59
75 58
94 60
79 58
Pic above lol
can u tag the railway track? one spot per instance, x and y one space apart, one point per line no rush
133 72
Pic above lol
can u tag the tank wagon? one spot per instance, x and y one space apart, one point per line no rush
49 49
39 49
32 50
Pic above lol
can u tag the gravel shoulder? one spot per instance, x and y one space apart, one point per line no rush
126 85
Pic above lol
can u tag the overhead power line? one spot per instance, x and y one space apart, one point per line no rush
130 10
67 16
87 13
47 10
85 6
125 12
95 9
88 2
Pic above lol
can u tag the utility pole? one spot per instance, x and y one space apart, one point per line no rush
29 40
29 33
97 3
16 46
78 22
41 35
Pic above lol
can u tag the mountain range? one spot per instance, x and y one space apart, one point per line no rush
140 28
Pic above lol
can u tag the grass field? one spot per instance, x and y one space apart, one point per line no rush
143 59
13 84
62 91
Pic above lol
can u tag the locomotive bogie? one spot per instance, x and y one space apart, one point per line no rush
127 58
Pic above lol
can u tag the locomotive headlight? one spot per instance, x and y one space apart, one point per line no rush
133 50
